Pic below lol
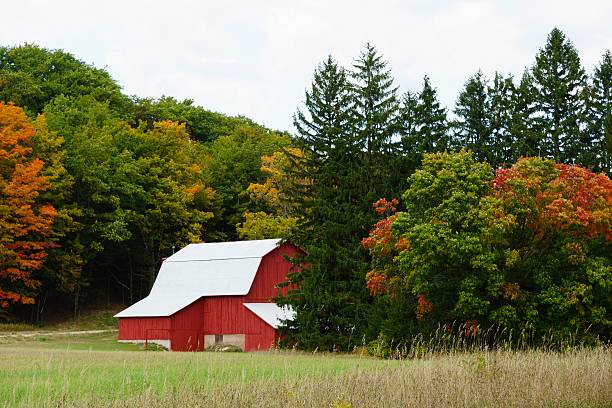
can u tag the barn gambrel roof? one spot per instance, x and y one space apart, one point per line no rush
210 269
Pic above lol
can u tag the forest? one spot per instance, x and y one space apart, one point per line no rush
414 217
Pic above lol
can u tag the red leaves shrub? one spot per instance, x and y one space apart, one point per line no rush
424 306
376 282
557 198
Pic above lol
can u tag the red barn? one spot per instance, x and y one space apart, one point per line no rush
213 293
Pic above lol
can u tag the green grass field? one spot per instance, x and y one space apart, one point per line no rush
95 371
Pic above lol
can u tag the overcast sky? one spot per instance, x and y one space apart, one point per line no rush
256 58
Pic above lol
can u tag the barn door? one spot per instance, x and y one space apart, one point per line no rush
187 340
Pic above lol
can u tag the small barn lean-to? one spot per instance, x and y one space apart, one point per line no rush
213 293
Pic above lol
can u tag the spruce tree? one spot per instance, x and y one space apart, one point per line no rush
527 141
473 127
407 126
500 95
559 80
329 294
431 126
327 125
600 113
375 101
376 123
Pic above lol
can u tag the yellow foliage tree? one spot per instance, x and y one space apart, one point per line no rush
282 217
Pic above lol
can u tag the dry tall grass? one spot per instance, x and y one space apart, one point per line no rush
498 379
581 378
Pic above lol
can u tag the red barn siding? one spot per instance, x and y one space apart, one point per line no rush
219 314
141 328
186 334
189 317
228 315
263 341
273 269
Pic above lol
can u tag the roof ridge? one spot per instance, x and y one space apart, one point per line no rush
216 259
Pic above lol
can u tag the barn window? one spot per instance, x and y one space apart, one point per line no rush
218 338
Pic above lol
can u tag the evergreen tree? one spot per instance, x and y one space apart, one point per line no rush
559 80
326 127
375 101
410 147
500 97
377 113
329 298
600 112
430 123
473 127
527 141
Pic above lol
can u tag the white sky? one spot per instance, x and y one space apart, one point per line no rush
256 58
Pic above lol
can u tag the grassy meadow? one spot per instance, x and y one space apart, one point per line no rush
94 371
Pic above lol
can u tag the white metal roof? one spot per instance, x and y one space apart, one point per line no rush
271 313
215 269
224 250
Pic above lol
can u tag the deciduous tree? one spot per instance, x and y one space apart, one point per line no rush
25 220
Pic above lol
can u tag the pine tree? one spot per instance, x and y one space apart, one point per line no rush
559 80
600 112
473 127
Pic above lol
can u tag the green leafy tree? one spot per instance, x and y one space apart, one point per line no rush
62 269
282 212
203 125
441 223
167 200
262 225
235 164
31 76
142 191
527 250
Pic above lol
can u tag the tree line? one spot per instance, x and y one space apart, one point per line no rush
446 256
98 186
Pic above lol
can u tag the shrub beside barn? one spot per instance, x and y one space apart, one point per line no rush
213 294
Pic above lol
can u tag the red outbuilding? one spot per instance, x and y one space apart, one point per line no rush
213 294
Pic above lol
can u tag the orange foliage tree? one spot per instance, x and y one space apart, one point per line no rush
25 223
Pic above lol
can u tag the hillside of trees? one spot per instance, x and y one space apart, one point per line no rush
413 217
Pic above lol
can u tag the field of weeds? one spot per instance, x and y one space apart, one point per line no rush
40 373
